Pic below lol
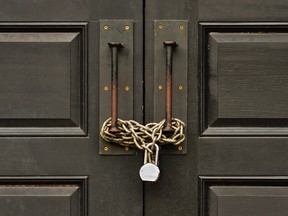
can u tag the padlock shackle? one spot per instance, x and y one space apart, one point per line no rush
156 153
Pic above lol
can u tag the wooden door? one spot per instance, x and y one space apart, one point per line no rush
237 110
49 111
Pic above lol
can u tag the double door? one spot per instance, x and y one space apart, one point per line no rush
232 64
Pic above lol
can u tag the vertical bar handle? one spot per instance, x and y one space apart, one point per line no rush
169 46
115 47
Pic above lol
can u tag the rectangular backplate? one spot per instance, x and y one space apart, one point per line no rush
116 31
171 30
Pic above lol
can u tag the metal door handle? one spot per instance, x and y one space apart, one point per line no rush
115 47
169 46
132 133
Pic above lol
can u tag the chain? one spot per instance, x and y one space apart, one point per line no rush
134 134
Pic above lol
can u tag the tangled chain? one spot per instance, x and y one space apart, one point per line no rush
134 134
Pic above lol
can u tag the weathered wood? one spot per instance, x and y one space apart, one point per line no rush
237 119
49 93
175 192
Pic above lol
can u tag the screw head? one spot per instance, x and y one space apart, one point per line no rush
160 26
126 148
180 148
106 148
180 87
160 87
127 88
106 88
181 27
127 27
105 27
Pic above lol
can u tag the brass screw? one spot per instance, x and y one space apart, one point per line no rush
181 27
106 148
126 148
127 27
160 87
180 148
106 88
105 27
127 88
180 87
160 26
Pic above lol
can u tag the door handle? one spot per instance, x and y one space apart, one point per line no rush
169 32
127 132
130 132
115 47
116 55
169 46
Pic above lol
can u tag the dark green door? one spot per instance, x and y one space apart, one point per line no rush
237 110
49 111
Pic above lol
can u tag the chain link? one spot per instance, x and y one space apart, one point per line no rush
134 134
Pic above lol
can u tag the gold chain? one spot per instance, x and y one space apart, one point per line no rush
134 134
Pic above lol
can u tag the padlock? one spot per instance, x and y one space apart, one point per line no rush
150 171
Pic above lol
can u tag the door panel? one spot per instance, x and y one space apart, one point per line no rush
244 79
43 195
43 201
44 75
237 119
229 10
49 112
244 195
174 193
237 200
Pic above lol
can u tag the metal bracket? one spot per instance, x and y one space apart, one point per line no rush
120 31
171 30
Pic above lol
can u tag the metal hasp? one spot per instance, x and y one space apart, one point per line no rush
115 46
169 45
167 58
115 89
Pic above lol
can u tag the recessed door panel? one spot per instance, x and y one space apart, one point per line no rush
239 196
39 200
29 196
43 75
244 80
249 201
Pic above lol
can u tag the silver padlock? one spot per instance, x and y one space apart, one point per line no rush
150 171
